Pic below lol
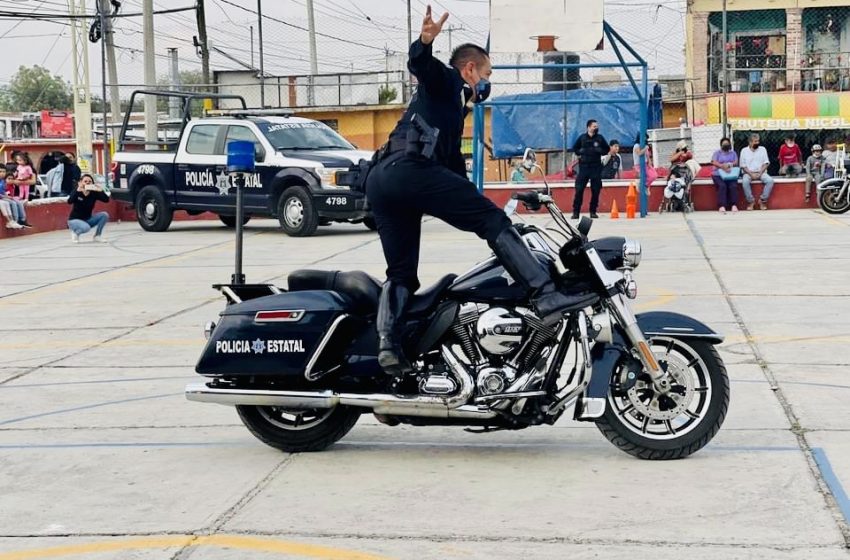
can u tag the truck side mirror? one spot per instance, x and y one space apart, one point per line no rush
259 153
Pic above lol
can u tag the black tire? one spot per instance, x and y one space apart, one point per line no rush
830 203
324 221
297 213
153 212
614 428
230 221
260 421
370 223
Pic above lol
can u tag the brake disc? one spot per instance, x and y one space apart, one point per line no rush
657 406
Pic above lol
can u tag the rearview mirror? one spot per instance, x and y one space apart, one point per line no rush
510 207
529 159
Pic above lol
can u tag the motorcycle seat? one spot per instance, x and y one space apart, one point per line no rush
360 288
364 290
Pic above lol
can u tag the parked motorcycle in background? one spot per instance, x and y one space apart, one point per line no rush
834 193
301 365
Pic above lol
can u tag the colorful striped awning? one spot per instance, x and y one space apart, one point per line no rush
784 111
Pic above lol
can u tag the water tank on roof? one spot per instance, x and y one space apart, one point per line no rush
559 79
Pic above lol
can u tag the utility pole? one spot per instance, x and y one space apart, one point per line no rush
723 112
251 28
174 102
111 65
314 63
262 71
82 99
102 20
407 92
151 132
451 28
202 40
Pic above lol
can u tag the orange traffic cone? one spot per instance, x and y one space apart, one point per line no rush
631 201
615 214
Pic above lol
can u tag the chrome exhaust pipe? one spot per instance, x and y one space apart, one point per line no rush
449 406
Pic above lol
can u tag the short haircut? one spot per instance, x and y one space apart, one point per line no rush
754 136
468 52
789 136
725 139
589 122
614 142
830 140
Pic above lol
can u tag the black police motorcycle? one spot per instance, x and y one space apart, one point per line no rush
300 364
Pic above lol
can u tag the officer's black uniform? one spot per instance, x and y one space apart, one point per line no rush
590 150
403 186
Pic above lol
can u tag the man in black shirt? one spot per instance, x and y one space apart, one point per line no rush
416 173
589 148
83 199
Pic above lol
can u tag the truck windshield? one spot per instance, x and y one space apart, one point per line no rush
303 136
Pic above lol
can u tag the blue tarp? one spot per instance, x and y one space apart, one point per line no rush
541 127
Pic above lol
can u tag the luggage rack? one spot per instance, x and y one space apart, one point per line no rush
237 293
247 112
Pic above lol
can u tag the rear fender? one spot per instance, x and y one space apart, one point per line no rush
606 357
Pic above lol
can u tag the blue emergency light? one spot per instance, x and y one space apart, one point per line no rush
240 157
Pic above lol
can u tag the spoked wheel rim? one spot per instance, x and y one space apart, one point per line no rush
294 420
662 417
832 200
293 212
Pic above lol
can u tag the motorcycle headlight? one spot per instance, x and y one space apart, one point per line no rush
631 253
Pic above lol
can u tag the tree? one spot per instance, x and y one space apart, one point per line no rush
34 89
190 81
386 94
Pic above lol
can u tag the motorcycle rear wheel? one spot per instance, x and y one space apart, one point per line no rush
656 427
298 431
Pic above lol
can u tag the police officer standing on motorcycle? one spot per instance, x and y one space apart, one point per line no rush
421 170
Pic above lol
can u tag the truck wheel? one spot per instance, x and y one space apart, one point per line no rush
152 210
296 212
370 223
230 221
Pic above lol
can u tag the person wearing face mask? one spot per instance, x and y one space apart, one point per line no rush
790 158
589 148
725 176
754 162
412 175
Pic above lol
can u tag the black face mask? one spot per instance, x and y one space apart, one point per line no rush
726 147
755 146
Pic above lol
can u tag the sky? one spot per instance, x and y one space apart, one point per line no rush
357 35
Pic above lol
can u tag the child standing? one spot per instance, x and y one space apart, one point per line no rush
24 177
815 167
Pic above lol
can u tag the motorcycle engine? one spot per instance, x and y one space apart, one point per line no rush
499 331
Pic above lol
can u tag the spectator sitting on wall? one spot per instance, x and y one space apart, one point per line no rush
790 158
754 162
16 207
71 175
612 162
830 157
83 199
725 160
815 167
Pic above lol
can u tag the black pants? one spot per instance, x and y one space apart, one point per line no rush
402 190
592 173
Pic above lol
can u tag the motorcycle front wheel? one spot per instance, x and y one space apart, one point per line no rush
651 425
832 202
297 431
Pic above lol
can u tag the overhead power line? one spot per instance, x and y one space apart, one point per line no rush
25 15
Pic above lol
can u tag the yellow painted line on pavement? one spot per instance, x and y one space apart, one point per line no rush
660 300
238 542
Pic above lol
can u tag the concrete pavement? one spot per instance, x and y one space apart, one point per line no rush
101 457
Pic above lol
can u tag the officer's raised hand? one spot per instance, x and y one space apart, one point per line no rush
431 28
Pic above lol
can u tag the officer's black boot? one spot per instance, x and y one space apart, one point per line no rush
548 302
394 297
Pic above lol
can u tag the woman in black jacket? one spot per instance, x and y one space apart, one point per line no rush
83 199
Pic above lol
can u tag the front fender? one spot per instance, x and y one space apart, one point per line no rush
605 357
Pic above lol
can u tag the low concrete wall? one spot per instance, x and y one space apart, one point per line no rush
52 214
787 194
